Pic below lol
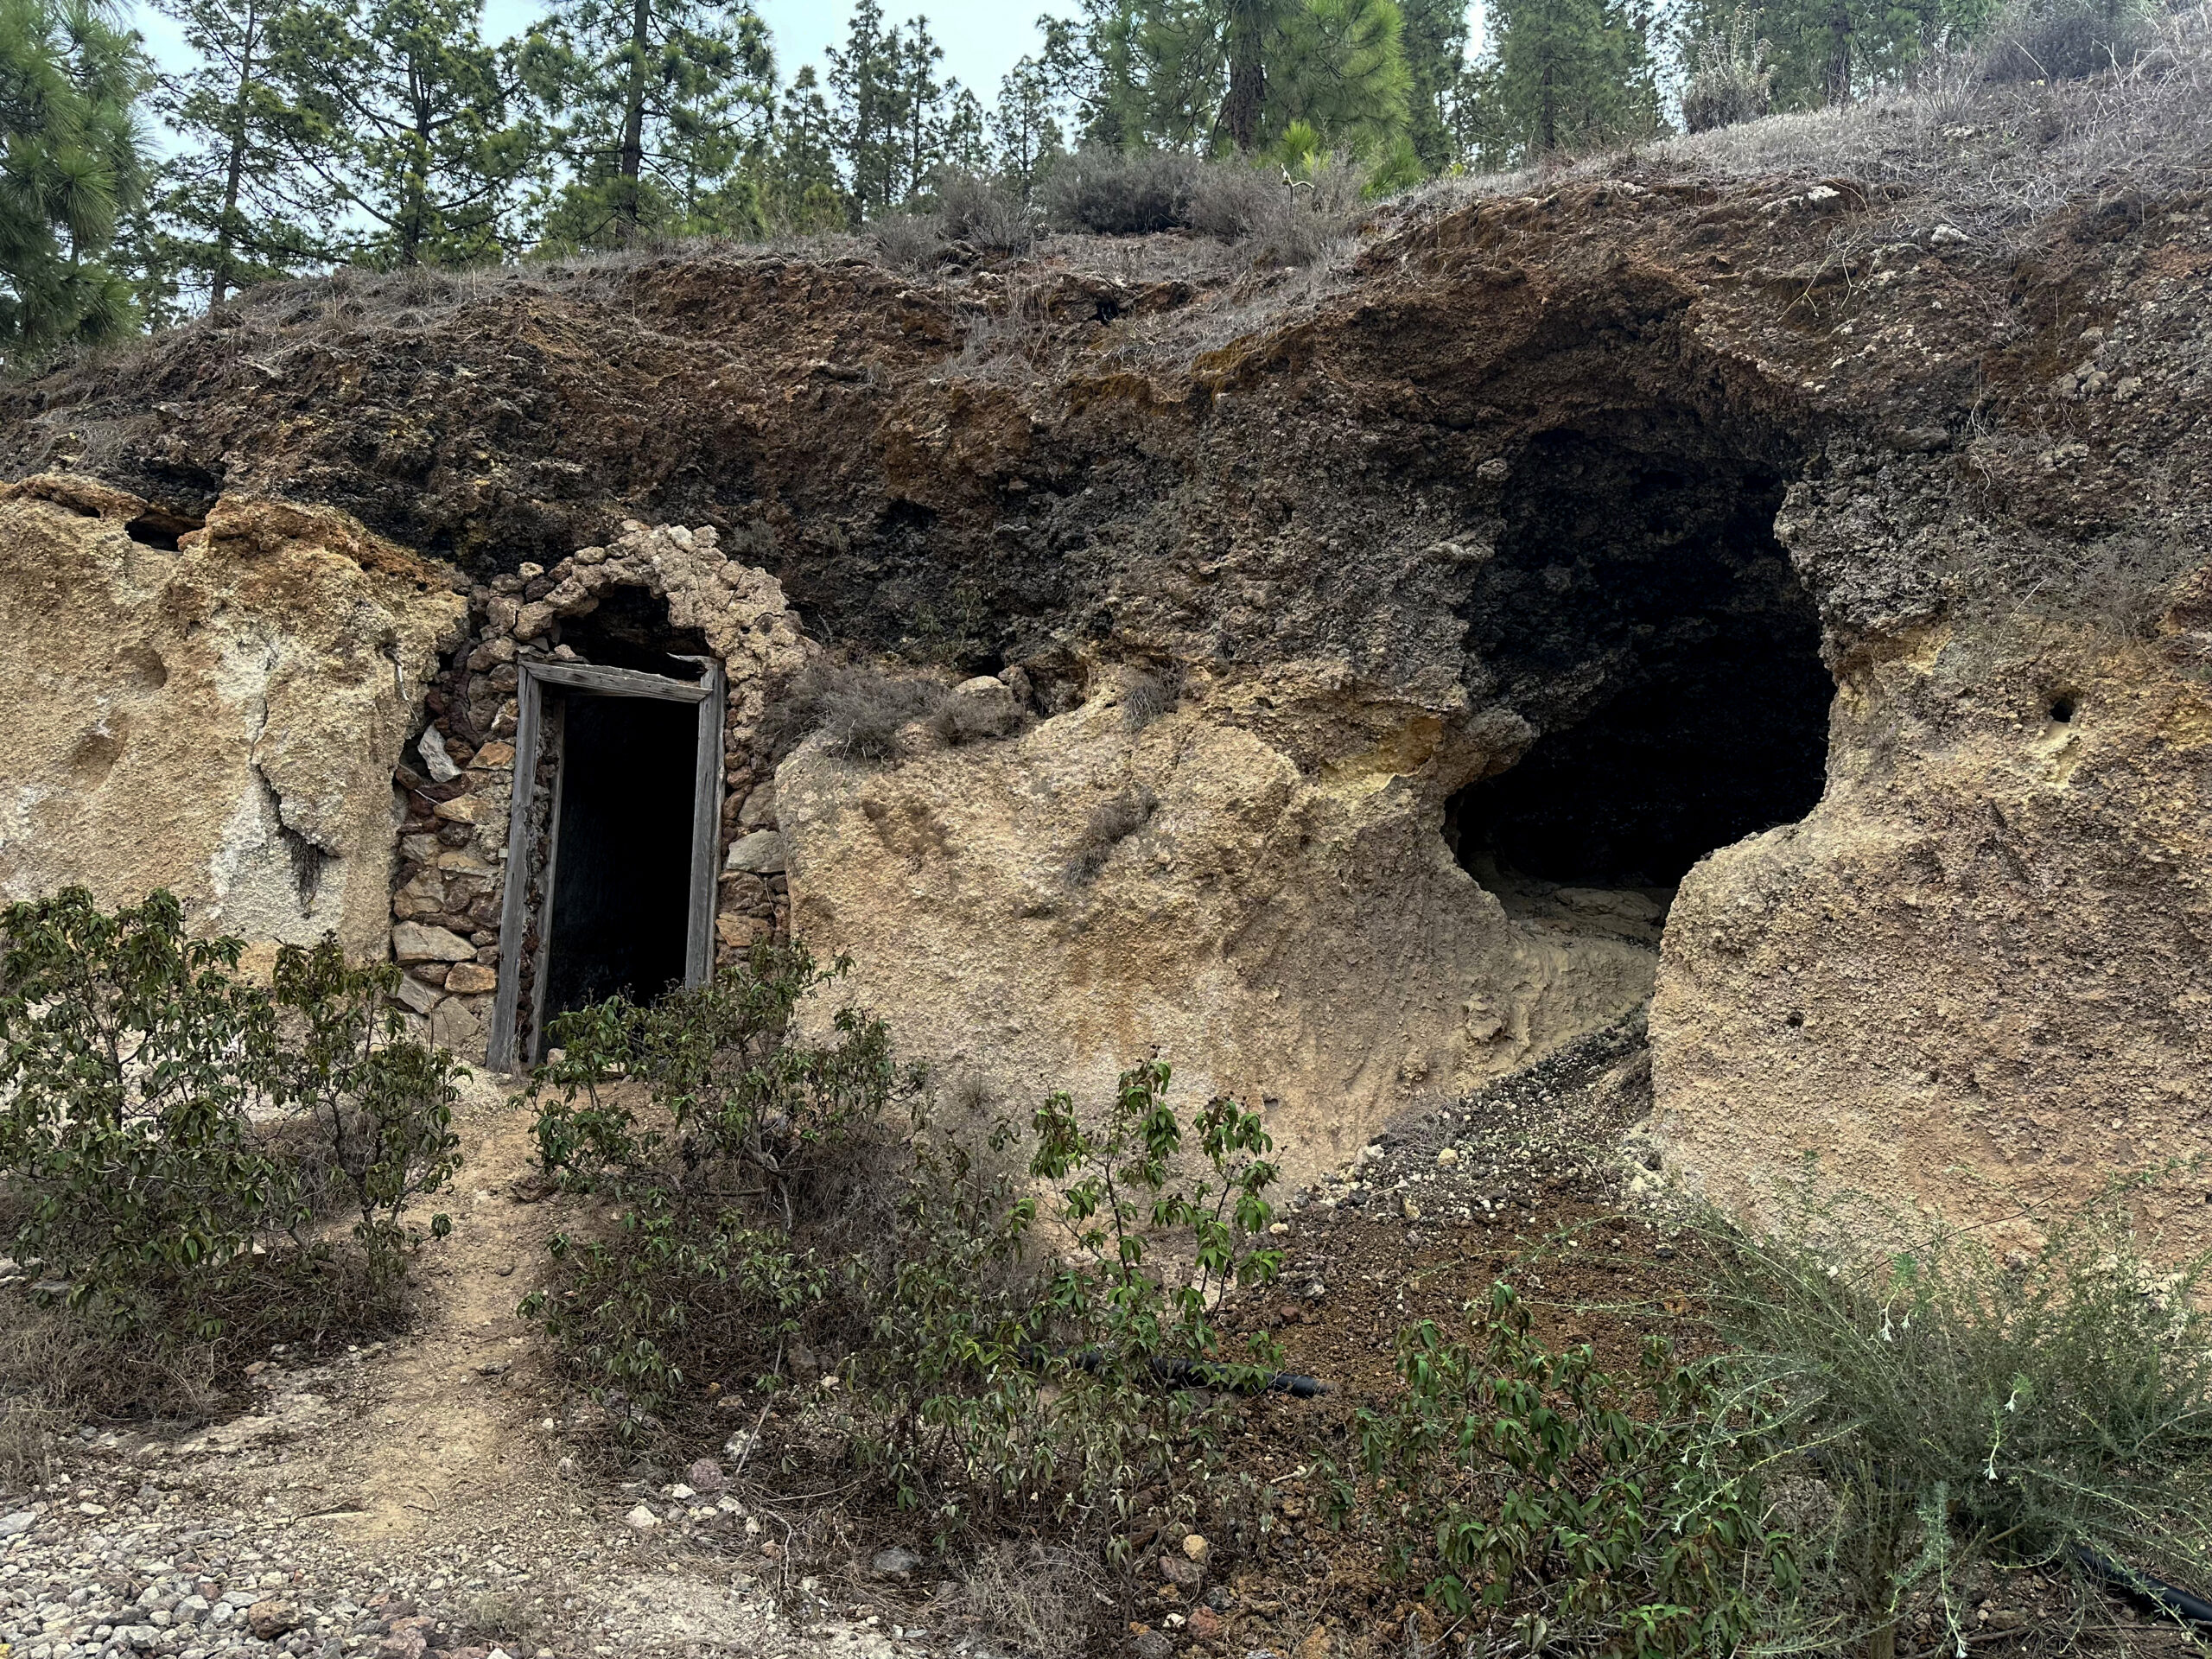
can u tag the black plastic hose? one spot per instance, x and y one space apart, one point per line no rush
2154 1595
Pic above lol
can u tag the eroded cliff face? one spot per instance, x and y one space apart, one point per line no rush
1653 580
216 710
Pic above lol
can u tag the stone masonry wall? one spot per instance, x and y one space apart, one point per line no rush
452 871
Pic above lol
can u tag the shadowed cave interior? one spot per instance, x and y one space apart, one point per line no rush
1640 613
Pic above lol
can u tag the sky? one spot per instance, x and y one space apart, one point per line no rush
981 38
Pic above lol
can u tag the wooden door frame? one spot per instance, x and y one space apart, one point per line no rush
710 693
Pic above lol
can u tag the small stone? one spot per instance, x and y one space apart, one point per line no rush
414 942
760 853
1205 1624
641 1519
1948 236
1154 1644
436 760
469 978
1447 1157
15 1525
895 1563
705 1476
759 811
271 1618
462 809
1196 1549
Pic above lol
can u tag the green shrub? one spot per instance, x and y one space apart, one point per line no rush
739 1159
1957 1407
159 1113
1000 1389
1573 1510
769 1192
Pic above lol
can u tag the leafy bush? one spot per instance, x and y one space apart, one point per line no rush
1570 1508
1957 1407
721 1139
1121 192
2067 40
1729 79
1043 1394
763 1199
152 1105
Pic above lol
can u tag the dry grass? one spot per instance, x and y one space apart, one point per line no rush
1986 155
1045 1600
57 1373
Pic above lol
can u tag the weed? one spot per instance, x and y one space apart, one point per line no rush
1552 1502
1960 1407
1111 824
1146 697
1730 78
860 710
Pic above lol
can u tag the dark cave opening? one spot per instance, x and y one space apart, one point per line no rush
1640 613
622 867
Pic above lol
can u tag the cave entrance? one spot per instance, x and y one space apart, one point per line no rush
1640 613
611 844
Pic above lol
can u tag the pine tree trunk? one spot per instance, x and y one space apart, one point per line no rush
1838 65
630 162
1240 111
233 174
1547 111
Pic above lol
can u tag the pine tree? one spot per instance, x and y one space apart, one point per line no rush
921 104
1098 65
72 165
1026 125
801 190
402 114
1565 74
234 207
1434 43
649 93
1236 74
864 80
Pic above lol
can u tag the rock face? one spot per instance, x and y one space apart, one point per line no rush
1770 585
1279 914
1975 976
218 716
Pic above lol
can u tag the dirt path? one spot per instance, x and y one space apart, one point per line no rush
451 1440
413 1494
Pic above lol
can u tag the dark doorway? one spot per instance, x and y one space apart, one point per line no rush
1641 614
622 876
